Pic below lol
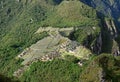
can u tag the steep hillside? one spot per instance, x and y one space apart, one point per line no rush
104 68
109 8
20 19
37 28
71 13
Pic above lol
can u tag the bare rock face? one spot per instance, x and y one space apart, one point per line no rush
113 34
110 25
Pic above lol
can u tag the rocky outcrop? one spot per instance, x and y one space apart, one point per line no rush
106 38
113 34
110 25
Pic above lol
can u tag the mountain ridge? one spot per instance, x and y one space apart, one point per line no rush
109 8
25 23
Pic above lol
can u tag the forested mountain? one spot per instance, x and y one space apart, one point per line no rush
59 41
110 8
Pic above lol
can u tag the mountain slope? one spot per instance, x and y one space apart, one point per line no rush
71 13
109 8
21 19
104 68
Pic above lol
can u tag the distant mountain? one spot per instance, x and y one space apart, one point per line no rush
110 8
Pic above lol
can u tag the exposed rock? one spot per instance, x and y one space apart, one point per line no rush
111 28
113 34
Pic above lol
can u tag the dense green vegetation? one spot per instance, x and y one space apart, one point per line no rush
7 79
20 19
17 32
68 70
52 71
85 37
58 70
105 66
71 13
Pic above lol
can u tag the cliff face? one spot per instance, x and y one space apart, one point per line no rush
109 35
110 28
106 41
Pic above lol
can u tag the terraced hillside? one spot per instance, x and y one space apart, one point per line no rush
51 47
53 40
